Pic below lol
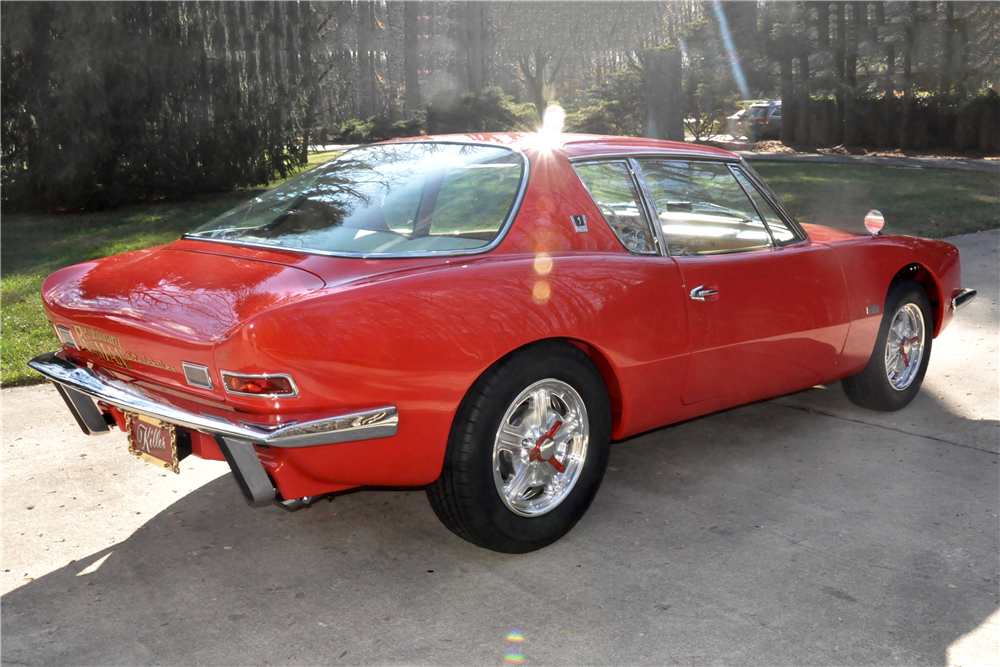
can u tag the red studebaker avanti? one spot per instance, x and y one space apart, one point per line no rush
483 315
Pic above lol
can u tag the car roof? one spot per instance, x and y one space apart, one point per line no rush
583 145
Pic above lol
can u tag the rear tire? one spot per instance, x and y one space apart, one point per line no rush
902 351
513 479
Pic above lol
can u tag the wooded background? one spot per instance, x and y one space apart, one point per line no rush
105 103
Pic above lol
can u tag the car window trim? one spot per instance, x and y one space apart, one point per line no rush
643 204
663 155
734 171
758 183
512 214
649 205
728 162
772 199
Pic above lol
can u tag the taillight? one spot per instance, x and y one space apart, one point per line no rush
269 386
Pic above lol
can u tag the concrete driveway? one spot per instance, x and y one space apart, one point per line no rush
801 530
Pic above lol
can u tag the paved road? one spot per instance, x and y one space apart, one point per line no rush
796 531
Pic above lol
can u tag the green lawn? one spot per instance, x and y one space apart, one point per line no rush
925 202
919 202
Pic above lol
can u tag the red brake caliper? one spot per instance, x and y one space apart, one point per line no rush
536 451
906 358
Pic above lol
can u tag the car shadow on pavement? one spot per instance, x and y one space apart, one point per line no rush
761 535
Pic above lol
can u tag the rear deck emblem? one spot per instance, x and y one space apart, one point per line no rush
580 222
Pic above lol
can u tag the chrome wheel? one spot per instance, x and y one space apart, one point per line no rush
540 447
904 346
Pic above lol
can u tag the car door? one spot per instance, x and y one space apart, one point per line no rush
653 352
767 307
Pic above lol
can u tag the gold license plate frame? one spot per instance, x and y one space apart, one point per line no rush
148 437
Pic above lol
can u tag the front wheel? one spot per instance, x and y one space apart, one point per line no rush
902 351
527 451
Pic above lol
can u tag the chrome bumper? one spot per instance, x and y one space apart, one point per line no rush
367 425
963 298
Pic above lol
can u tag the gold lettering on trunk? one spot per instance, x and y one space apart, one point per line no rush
109 348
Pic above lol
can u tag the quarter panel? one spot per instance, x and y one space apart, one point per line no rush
555 193
420 341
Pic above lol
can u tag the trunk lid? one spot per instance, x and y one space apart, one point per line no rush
143 313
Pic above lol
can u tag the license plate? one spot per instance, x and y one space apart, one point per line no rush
152 440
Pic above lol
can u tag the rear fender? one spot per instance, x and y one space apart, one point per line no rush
418 342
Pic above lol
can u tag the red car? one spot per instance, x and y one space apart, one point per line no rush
483 315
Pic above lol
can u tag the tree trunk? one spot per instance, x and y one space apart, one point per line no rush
372 57
860 21
802 133
309 121
664 96
823 24
366 101
947 75
908 36
788 112
474 52
840 67
532 68
343 50
963 58
889 134
392 90
411 57
889 83
877 23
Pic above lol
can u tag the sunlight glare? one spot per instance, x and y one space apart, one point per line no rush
727 40
541 292
553 121
543 264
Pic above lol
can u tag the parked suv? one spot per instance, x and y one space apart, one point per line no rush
764 121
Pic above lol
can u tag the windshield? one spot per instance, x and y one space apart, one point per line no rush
392 199
758 112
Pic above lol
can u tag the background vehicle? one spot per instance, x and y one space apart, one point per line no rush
483 315
763 121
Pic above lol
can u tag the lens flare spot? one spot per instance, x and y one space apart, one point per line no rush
543 264
515 637
541 291
513 657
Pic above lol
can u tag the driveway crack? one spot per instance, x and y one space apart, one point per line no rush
887 428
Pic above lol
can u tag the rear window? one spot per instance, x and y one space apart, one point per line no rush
758 112
392 199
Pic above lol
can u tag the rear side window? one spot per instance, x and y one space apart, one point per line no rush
611 186
702 209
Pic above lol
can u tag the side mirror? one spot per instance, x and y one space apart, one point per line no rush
874 222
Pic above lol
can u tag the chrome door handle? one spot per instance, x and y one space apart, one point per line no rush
701 292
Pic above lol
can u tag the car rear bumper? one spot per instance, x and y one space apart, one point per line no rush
78 385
